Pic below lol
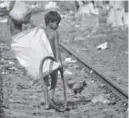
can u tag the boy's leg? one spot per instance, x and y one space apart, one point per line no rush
53 83
45 91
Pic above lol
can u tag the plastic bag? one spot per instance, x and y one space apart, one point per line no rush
30 47
19 11
51 5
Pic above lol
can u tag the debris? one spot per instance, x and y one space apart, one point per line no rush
12 68
91 71
11 63
100 98
51 5
5 5
78 38
11 100
19 86
67 72
3 72
103 46
88 35
77 26
69 60
3 20
83 49
125 52
35 5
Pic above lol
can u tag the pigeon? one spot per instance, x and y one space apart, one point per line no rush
71 84
77 88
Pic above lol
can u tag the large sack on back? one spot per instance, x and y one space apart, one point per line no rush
30 47
19 11
116 14
87 9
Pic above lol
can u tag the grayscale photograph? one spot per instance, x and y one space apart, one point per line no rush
64 59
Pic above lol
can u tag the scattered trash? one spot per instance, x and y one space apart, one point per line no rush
36 5
100 98
77 26
50 5
19 86
103 46
125 52
69 60
5 5
67 72
11 63
84 49
91 71
12 68
3 72
114 57
88 35
11 100
101 85
3 20
78 38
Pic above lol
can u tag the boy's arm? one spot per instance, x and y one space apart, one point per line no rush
57 49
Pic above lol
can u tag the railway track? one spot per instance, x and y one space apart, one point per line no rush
113 87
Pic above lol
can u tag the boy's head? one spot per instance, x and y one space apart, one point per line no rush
52 19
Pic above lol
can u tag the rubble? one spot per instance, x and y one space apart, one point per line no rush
103 46
78 39
51 5
70 60
100 98
67 72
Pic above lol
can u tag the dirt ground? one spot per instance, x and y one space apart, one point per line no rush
22 99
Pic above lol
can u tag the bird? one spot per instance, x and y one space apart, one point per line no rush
71 84
77 88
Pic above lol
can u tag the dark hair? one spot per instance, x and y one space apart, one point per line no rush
52 16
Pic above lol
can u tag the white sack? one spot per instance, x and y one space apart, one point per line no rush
19 11
30 47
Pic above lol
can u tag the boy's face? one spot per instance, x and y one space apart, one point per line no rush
54 25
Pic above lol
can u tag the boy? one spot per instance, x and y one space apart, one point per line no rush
52 20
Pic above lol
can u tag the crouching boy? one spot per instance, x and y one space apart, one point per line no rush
52 20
